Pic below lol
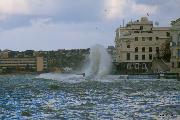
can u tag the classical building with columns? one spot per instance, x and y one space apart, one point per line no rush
175 46
139 43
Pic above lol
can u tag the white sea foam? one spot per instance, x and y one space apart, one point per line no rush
99 63
70 78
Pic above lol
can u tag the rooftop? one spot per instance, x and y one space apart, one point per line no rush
176 21
143 20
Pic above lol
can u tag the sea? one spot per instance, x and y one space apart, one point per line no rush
54 96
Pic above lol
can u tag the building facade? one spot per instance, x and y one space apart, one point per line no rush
139 43
37 64
175 46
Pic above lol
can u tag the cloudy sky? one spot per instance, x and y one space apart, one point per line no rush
57 24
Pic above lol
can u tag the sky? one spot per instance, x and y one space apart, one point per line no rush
72 24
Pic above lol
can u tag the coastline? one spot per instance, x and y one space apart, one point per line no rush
169 76
21 73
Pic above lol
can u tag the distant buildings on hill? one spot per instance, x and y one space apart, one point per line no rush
40 61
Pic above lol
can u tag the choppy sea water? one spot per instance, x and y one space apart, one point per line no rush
53 96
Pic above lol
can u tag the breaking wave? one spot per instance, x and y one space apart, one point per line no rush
99 62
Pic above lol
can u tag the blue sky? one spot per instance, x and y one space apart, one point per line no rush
57 24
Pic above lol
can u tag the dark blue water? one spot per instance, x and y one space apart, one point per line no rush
24 97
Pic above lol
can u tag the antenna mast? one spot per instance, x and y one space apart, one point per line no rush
123 22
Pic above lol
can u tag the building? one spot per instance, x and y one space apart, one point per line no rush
5 53
138 44
38 64
175 46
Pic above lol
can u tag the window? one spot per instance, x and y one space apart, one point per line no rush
157 49
143 38
128 56
157 38
136 38
143 49
178 52
150 56
144 66
128 46
150 38
136 57
143 57
141 27
173 65
178 43
137 66
136 49
178 64
150 49
167 34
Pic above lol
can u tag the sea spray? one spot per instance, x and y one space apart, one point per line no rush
99 63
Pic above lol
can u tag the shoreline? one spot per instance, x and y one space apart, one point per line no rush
21 73
121 76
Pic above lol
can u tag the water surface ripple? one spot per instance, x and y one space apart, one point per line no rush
24 97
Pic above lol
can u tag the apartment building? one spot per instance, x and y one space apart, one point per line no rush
175 46
38 64
138 43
